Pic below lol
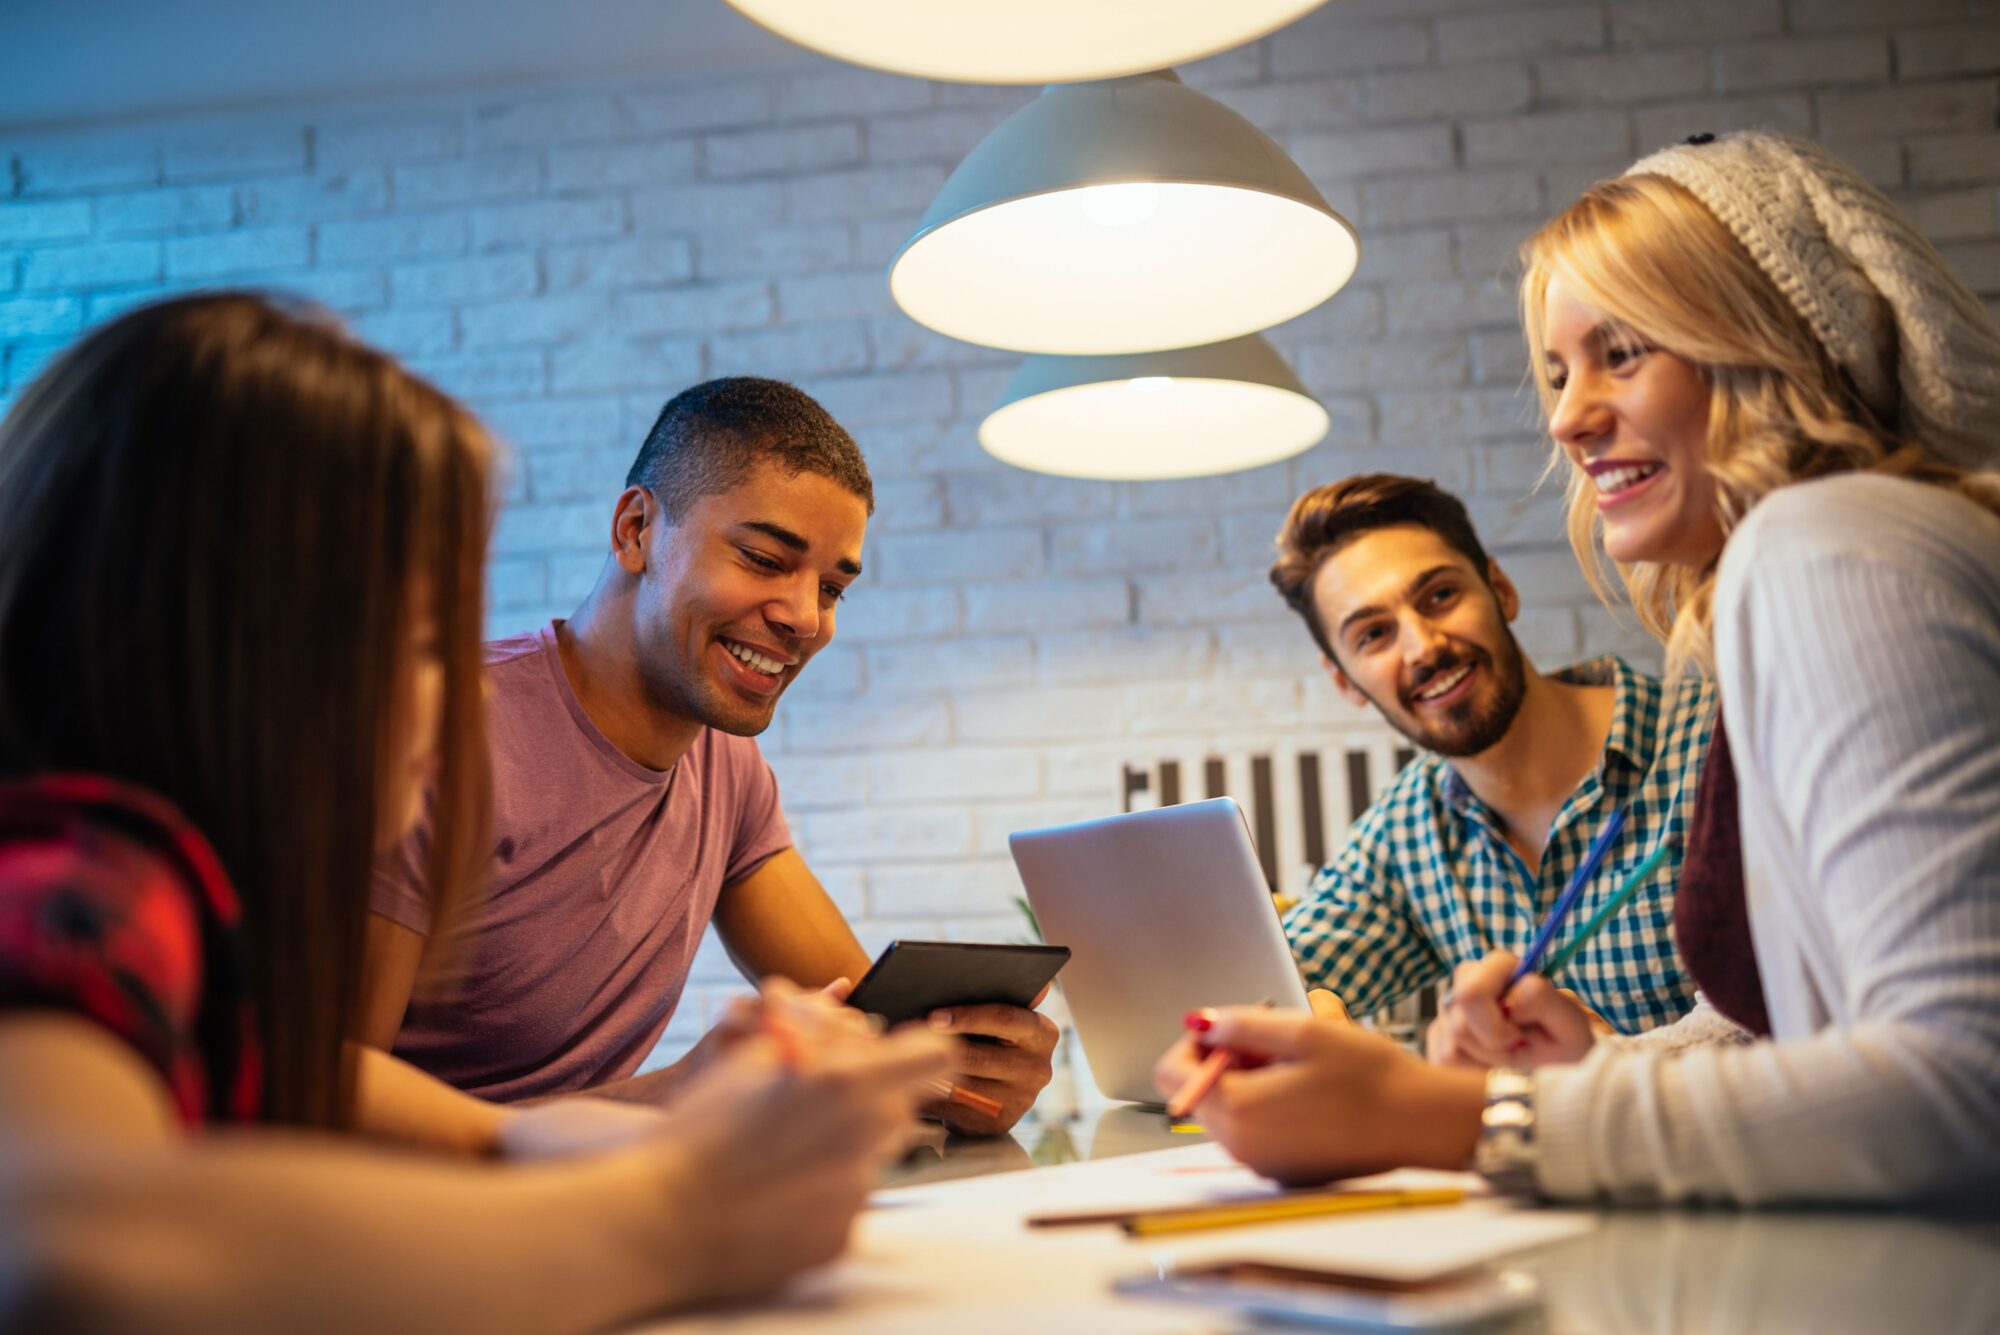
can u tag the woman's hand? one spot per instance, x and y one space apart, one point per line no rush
1330 1100
774 1147
743 1017
1535 1024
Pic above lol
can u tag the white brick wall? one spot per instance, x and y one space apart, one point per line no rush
566 258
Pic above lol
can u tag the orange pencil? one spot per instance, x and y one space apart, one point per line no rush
945 1089
1189 1096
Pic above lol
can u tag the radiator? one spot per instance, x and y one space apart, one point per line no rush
1299 800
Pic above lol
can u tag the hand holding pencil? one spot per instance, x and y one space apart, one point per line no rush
1504 1011
1305 1099
1215 1062
770 1150
1536 1024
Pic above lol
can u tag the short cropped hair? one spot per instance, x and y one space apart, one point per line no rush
709 437
1327 518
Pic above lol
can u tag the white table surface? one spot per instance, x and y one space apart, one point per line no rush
957 1268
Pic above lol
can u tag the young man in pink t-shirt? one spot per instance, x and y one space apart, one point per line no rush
631 805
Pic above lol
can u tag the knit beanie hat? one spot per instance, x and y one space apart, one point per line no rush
1920 348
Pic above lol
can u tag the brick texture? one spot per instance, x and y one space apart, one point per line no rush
565 258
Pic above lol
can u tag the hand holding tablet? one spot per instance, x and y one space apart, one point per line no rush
911 979
980 991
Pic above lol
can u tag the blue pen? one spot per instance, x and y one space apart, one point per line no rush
1571 893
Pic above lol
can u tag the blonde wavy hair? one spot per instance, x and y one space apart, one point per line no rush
1648 254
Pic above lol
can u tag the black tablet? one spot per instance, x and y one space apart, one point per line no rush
913 978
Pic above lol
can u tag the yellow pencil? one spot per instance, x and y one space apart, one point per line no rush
1286 1207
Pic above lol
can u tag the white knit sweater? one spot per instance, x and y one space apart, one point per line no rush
1857 636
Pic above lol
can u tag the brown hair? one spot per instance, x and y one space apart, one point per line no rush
1646 252
215 510
1328 517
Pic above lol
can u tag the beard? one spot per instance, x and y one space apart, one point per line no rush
1475 723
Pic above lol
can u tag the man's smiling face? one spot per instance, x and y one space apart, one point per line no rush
741 593
1422 635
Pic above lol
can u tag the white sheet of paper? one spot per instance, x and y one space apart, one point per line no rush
1390 1244
959 1256
1182 1176
1195 1175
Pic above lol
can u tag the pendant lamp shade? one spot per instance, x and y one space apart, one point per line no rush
1021 41
1125 216
1184 413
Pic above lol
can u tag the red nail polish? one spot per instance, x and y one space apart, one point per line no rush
1520 1043
1505 1011
1200 1021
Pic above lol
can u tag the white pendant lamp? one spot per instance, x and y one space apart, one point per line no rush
1021 41
1124 216
1184 413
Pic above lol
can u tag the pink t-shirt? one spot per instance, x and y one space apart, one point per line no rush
569 962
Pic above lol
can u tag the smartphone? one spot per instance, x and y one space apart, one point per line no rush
1331 1298
911 979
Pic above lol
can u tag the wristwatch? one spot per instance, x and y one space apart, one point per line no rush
1508 1149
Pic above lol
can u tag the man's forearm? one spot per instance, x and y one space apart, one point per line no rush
655 1088
395 1101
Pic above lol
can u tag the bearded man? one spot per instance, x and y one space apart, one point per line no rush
1469 847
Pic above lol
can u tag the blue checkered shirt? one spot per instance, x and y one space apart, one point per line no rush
1428 879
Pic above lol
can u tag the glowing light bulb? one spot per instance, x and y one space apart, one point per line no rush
1124 205
1150 384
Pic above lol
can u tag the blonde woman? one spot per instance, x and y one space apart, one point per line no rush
1774 404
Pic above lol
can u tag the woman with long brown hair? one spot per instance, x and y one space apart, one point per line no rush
240 596
1778 411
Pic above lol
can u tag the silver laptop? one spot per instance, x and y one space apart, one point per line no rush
1163 911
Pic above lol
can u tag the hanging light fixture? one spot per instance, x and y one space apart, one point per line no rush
1183 413
1021 41
1124 216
